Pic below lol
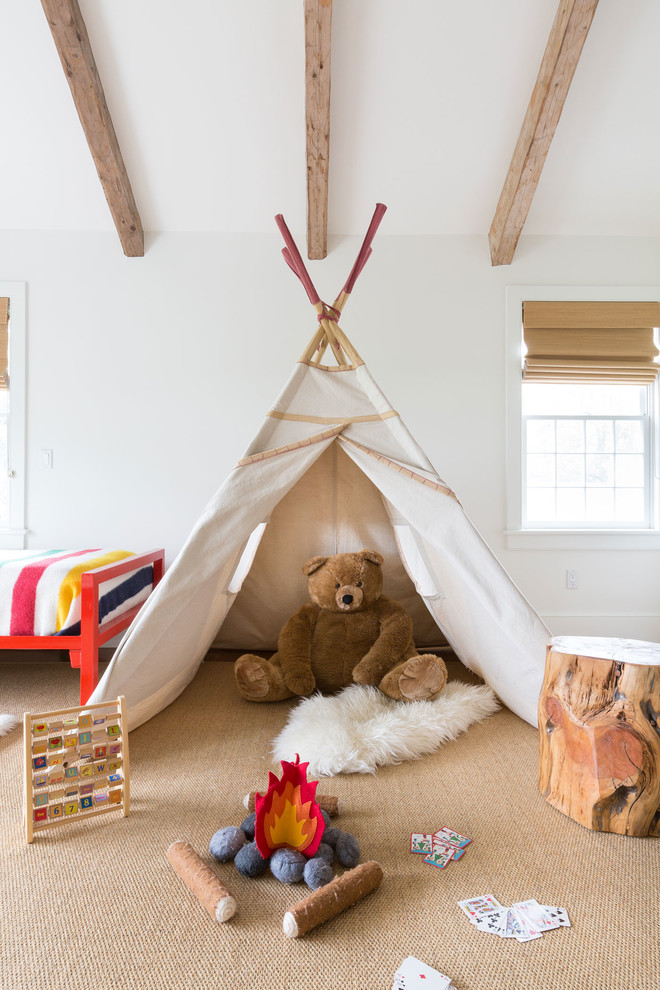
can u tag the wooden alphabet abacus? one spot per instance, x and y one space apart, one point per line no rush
76 764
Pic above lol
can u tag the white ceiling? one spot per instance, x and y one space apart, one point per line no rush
207 99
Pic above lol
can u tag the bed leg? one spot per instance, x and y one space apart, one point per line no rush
89 636
74 657
89 672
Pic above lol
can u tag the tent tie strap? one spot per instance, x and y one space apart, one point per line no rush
328 313
438 486
305 418
287 448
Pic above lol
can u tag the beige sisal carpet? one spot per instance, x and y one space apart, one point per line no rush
96 905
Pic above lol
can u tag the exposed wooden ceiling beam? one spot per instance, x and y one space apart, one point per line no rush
318 24
73 46
560 60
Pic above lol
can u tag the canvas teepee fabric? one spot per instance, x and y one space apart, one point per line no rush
332 469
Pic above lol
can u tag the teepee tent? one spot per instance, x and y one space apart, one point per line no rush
333 469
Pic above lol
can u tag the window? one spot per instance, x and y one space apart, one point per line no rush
12 414
586 456
582 417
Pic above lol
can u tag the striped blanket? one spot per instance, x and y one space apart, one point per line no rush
40 590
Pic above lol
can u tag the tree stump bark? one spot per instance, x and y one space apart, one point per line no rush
599 740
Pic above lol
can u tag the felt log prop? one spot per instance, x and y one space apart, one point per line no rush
329 901
326 802
202 881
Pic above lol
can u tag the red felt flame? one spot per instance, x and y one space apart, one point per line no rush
287 816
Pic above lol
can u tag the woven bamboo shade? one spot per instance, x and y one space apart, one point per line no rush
4 343
596 342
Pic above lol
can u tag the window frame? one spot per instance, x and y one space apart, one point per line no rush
607 537
12 537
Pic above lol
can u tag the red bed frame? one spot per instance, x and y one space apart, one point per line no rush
84 649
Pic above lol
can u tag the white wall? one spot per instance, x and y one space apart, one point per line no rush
148 377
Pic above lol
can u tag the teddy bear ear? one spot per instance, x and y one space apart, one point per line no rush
372 555
313 565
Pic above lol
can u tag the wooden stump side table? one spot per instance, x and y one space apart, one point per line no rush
599 738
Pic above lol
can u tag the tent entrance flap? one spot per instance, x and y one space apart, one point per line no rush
414 562
333 508
246 559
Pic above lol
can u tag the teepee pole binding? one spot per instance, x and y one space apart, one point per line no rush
329 333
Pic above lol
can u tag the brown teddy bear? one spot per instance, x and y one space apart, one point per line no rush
348 633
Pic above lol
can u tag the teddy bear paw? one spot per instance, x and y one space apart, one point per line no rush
301 682
423 678
251 677
361 675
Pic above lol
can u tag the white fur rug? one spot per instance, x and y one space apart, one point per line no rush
360 729
7 724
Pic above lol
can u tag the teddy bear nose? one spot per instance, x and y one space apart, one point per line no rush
347 599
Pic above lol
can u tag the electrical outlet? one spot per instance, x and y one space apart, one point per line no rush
571 580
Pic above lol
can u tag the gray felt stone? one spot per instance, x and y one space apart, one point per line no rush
249 861
287 865
226 842
347 850
325 852
331 835
317 872
326 818
248 826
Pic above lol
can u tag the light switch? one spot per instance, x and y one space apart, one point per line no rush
46 460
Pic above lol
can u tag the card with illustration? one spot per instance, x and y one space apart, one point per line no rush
445 834
421 842
440 856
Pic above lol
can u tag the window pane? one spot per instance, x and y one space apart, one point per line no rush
570 470
570 504
600 435
541 505
600 469
540 470
587 454
629 470
540 435
629 503
570 436
629 437
600 505
542 398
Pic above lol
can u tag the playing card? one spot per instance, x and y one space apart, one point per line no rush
523 929
558 915
445 834
421 842
493 922
440 856
474 907
542 917
413 974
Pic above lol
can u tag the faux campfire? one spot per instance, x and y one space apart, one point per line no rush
288 830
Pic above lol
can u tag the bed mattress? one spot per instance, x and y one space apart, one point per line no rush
40 590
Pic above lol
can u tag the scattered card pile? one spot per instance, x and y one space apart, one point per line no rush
524 921
439 848
413 974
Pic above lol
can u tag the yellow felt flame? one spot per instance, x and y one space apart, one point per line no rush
287 829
